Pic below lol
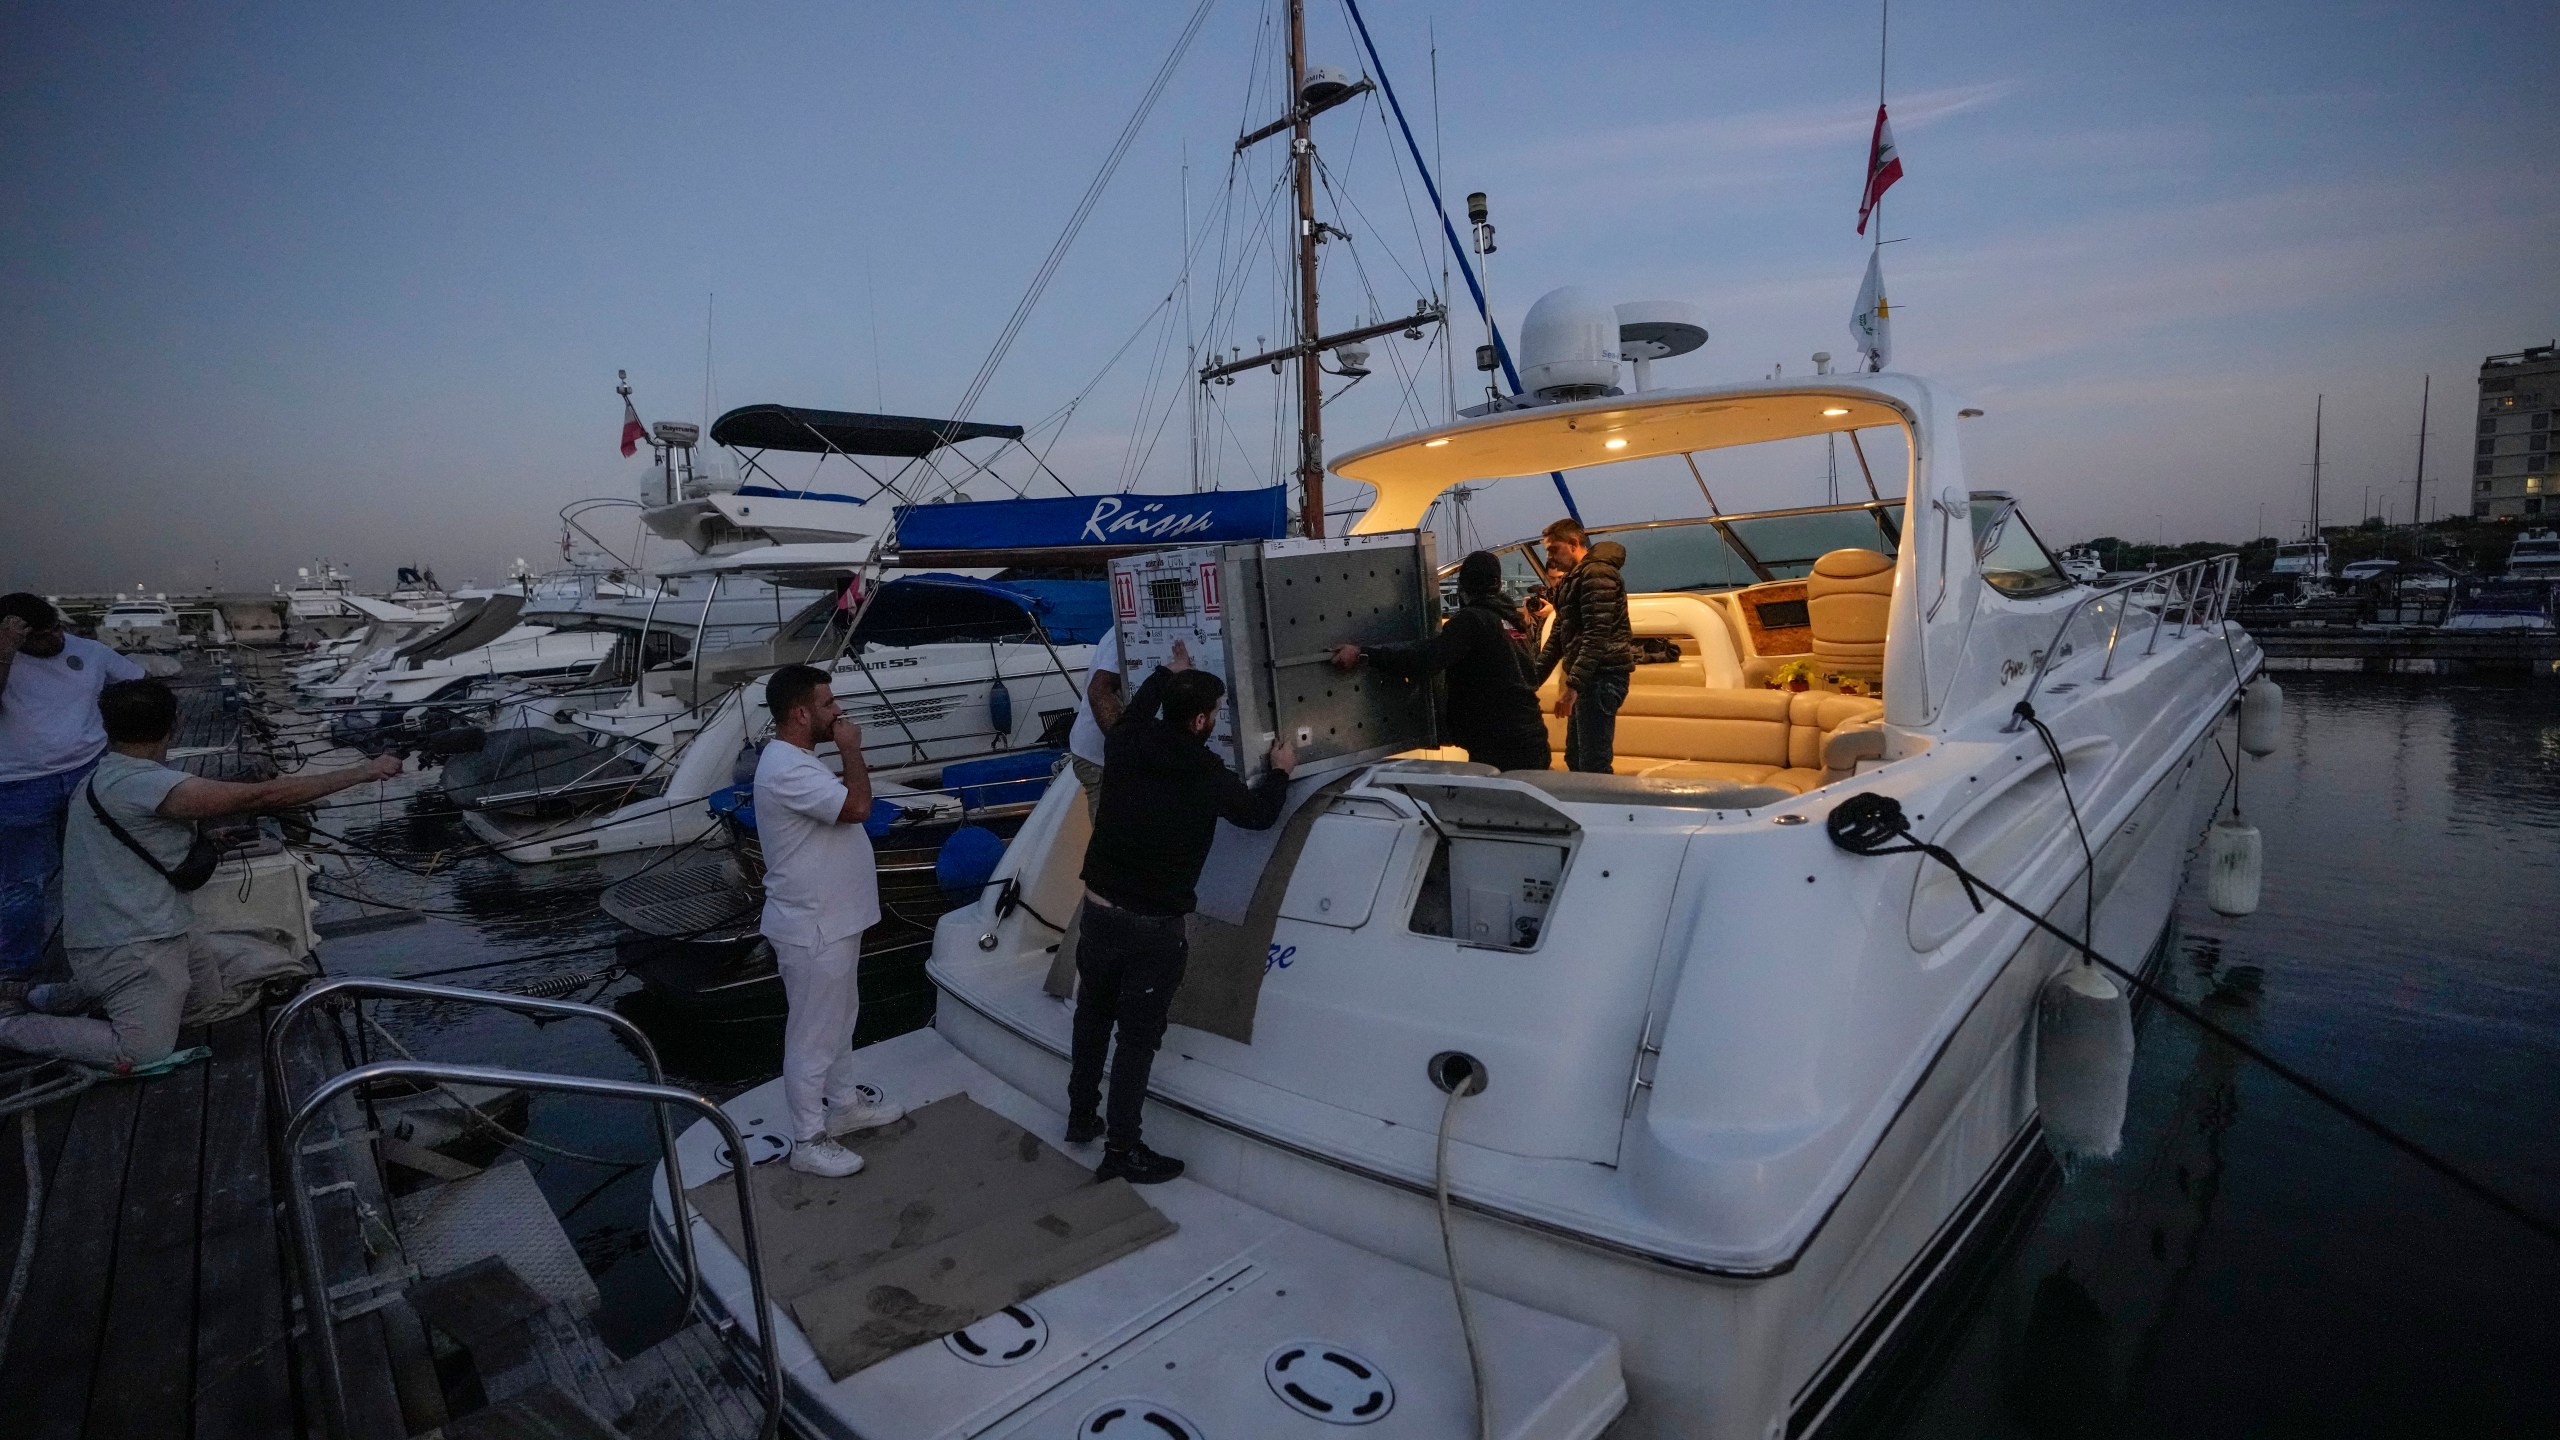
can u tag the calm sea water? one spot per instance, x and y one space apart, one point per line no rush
2251 1264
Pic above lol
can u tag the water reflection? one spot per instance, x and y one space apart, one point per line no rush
2291 1275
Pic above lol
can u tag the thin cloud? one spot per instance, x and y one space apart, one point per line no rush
1763 133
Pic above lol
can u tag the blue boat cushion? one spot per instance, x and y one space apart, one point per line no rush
738 803
1002 779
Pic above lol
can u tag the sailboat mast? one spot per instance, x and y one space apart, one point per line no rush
2316 404
2418 482
1302 159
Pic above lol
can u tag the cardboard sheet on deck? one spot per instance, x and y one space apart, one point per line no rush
958 1212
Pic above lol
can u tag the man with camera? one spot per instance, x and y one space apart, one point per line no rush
131 853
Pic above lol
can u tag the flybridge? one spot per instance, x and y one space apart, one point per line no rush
1090 527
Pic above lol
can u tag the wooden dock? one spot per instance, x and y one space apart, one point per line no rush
2410 651
157 1306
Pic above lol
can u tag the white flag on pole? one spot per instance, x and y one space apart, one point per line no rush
1871 324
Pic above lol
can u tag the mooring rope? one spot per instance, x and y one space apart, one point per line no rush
1873 824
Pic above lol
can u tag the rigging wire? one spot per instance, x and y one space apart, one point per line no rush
1058 248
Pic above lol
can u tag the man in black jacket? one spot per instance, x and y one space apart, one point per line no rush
1163 794
1484 652
1592 641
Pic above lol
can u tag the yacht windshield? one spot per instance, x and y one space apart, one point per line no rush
1786 545
2014 562
1728 552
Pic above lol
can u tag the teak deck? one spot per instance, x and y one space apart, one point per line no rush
158 1303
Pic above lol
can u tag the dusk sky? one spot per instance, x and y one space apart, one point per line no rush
353 281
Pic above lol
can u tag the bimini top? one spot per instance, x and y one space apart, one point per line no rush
840 432
1411 470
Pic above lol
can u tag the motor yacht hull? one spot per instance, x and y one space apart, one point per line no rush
1709 1351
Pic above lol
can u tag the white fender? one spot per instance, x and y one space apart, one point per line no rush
2261 716
2235 863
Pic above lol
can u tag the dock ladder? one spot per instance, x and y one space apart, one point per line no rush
655 1092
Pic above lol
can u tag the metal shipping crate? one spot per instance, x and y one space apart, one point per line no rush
1265 616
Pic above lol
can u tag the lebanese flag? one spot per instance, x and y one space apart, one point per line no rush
1884 166
633 432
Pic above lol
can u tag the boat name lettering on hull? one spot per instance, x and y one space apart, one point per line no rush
1114 519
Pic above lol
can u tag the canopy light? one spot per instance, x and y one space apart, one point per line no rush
1835 410
1617 444
1435 444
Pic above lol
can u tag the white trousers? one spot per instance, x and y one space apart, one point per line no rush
817 1035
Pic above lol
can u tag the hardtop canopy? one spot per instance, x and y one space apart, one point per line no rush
1411 470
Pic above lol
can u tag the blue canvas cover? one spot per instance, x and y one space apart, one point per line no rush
1089 522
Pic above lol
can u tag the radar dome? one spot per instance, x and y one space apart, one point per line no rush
1569 346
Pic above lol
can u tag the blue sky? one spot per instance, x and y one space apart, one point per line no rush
288 282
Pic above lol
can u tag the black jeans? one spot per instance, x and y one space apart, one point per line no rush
1129 965
1513 755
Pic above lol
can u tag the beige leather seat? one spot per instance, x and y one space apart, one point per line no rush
1849 597
1745 737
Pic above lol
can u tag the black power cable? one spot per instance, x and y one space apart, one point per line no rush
1873 824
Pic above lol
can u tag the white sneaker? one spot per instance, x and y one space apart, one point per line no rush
825 1158
869 1111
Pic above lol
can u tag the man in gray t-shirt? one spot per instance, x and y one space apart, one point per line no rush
124 924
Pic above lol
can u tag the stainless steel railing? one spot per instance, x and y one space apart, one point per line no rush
2200 591
355 988
315 1281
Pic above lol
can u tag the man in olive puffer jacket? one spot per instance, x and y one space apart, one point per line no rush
1591 640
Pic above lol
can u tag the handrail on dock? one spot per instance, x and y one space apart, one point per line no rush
355 987
2185 588
315 1284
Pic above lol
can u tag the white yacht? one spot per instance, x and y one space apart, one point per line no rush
951 669
140 624
2534 556
1724 1146
2305 562
316 605
927 689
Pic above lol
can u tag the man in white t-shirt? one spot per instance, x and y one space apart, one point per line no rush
820 894
49 739
1104 697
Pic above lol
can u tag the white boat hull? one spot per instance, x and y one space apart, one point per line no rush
1708 1352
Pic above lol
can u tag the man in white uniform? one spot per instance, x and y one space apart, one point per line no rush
820 894
49 739
1104 698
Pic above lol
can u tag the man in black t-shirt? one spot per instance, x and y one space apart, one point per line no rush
1163 793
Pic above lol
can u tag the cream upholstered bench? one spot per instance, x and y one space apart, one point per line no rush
1792 740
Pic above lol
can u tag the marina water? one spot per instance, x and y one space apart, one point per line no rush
2249 1265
